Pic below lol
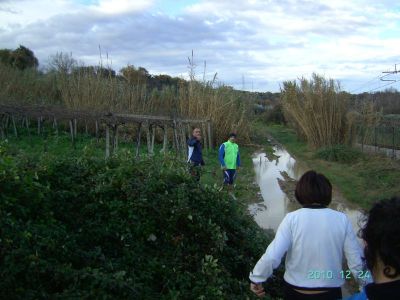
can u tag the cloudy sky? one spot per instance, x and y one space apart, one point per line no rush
255 44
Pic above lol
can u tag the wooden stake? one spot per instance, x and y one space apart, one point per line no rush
97 130
165 139
71 128
39 125
148 138
2 127
55 125
138 140
153 136
115 138
75 127
6 122
15 127
27 126
176 142
107 141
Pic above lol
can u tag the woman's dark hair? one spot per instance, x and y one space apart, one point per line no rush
232 134
382 236
313 188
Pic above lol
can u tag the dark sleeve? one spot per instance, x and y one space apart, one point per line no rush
221 155
192 141
238 159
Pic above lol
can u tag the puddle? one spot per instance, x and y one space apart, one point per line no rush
276 204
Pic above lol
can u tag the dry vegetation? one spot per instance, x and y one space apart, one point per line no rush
70 85
317 109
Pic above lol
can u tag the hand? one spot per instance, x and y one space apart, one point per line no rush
237 168
223 168
257 289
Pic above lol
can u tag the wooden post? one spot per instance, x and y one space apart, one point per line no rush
165 139
107 141
75 127
393 144
27 125
176 142
15 127
71 128
148 137
55 125
153 137
39 125
362 138
138 140
6 123
115 135
97 130
210 143
2 127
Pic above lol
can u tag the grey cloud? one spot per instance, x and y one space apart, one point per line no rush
162 43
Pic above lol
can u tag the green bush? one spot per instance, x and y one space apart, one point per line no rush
83 227
339 153
275 115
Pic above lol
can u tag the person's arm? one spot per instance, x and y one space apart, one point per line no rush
221 155
274 253
238 159
354 254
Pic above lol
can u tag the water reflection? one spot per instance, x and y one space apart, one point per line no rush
275 205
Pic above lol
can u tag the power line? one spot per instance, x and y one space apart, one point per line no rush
364 84
390 83
380 77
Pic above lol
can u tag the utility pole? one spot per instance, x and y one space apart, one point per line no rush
390 73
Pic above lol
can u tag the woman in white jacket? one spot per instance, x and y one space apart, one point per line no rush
314 239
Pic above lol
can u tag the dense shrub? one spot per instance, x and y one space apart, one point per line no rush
339 153
82 227
275 115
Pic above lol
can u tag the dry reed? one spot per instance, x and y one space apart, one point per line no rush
317 109
69 85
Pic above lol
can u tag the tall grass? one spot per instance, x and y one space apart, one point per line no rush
70 85
317 109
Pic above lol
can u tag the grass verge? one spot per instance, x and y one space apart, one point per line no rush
362 180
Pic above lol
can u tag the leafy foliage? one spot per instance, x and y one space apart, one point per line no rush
82 227
339 153
20 58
